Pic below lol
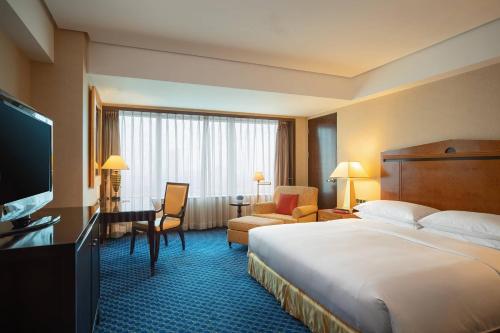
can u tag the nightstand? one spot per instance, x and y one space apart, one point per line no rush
329 214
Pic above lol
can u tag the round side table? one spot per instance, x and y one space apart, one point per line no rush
239 205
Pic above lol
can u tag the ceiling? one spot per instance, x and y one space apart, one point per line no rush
132 91
337 37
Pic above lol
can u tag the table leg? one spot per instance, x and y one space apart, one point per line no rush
151 237
104 230
239 211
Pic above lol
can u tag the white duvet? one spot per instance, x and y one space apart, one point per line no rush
378 277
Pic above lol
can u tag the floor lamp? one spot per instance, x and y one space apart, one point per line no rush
259 178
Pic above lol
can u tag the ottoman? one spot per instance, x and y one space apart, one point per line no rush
237 229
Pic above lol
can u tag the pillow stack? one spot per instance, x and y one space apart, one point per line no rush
478 228
400 213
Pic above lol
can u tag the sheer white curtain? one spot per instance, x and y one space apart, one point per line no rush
217 156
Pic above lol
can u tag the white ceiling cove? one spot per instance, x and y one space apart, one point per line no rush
338 37
132 91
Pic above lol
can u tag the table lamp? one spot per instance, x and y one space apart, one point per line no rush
115 163
259 177
348 171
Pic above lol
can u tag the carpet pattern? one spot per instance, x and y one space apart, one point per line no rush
205 288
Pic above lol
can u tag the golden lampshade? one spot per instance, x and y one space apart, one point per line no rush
259 176
349 171
115 162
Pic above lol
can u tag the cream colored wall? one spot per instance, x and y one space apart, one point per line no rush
115 60
90 195
14 70
466 106
30 25
60 91
301 151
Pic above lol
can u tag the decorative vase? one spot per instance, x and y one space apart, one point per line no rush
240 198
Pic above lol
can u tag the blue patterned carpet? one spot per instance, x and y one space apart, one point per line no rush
203 289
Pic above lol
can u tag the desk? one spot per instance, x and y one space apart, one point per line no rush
130 210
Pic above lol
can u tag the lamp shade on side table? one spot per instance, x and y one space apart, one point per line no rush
349 171
115 163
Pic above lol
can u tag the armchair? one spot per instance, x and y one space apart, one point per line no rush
304 212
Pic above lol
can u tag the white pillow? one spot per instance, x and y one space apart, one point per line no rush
475 240
479 225
401 211
366 216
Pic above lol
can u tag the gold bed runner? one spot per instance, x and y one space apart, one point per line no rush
294 301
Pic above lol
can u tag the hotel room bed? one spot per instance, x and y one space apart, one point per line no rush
376 277
373 276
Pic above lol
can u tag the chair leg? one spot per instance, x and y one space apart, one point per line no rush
230 244
181 235
132 241
165 237
157 246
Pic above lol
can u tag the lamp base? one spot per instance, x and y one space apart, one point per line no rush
259 184
349 196
116 179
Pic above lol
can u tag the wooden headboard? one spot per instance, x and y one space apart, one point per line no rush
447 175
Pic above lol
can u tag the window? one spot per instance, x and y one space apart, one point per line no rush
216 155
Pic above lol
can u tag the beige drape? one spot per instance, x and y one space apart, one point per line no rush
111 134
282 159
111 146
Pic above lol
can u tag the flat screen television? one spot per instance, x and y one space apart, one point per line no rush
25 161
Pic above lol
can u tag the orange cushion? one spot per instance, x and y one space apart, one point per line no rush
287 203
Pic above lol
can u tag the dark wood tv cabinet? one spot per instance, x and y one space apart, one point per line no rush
49 279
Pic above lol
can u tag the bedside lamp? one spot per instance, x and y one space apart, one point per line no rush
115 163
348 171
259 177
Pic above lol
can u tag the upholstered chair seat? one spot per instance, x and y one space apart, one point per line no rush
274 216
237 229
168 223
306 209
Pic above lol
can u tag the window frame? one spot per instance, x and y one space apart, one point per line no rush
211 113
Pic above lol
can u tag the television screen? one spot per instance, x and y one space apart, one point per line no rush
25 153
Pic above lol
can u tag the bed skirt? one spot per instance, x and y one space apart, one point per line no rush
294 301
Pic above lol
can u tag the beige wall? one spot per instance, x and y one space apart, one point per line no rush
14 70
466 106
30 26
60 91
90 195
301 151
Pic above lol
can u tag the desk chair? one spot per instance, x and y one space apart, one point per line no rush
173 210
